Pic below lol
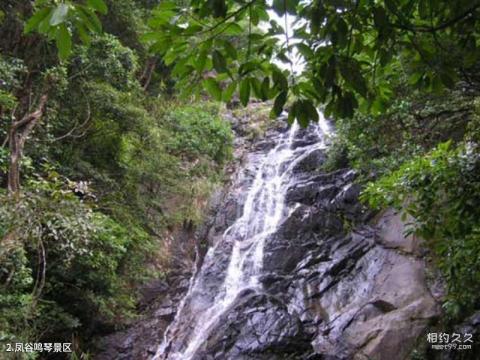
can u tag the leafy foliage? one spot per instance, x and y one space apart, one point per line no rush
110 172
81 268
413 124
347 47
57 19
198 133
441 191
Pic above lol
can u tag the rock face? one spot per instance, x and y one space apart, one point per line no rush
140 340
336 283
330 293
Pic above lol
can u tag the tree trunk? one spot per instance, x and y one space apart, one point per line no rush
146 77
18 134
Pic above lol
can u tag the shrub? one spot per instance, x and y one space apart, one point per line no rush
64 267
199 133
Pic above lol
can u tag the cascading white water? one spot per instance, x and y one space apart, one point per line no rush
263 211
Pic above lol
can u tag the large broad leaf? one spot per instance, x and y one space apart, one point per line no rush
228 93
266 88
233 29
89 18
245 91
219 62
305 50
285 6
351 72
36 19
64 42
292 113
279 7
201 61
230 50
278 104
301 113
311 110
213 88
59 15
280 80
98 5
256 87
83 33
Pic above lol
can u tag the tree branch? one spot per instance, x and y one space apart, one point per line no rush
433 29
35 115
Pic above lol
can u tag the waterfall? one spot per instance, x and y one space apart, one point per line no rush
263 211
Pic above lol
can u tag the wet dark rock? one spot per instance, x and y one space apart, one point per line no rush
310 192
258 326
264 145
310 163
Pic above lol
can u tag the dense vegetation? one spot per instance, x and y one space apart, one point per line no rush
422 157
101 158
110 165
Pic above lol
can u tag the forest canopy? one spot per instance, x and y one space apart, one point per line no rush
352 50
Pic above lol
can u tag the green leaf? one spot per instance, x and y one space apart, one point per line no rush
83 34
161 17
98 5
351 72
219 62
228 93
346 105
279 7
233 29
230 50
36 19
44 27
311 110
280 80
301 114
305 50
247 67
64 42
292 113
266 88
170 57
167 5
59 14
256 87
278 104
291 6
213 88
245 91
378 106
89 18
201 61
150 37
415 78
